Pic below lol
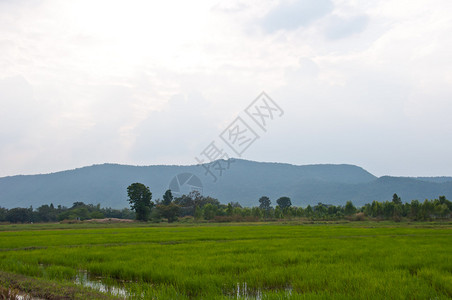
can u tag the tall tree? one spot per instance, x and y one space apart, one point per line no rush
265 203
284 202
140 200
167 198
396 199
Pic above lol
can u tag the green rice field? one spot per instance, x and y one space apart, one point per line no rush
356 260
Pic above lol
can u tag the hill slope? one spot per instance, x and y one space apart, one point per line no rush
244 182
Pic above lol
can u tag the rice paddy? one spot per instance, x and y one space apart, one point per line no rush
236 261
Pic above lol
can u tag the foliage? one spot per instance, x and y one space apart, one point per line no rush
19 215
167 198
278 213
396 200
3 212
265 206
428 210
349 208
265 203
207 208
140 200
170 212
284 202
210 211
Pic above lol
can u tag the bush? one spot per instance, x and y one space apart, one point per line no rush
67 221
360 216
186 219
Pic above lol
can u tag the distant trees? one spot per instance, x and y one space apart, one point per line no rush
46 213
349 209
278 213
167 208
140 200
231 208
417 211
443 207
210 211
321 210
3 212
78 211
49 213
170 211
196 207
308 212
19 215
193 204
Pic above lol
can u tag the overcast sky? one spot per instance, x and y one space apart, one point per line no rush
155 82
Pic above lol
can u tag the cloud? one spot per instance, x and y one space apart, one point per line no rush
292 15
23 121
180 131
18 108
152 89
230 6
339 27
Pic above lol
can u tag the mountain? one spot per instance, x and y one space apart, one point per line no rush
241 180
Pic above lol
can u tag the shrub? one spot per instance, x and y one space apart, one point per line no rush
360 216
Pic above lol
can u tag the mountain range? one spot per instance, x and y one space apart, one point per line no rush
238 180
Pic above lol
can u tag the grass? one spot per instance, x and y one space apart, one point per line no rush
268 261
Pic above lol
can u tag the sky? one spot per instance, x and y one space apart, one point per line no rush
367 83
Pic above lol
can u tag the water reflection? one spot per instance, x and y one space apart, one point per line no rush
84 279
243 292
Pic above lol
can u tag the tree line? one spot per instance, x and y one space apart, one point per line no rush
207 208
50 213
198 207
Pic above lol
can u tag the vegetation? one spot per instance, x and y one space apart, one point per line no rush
49 213
205 208
167 208
15 285
284 202
354 260
140 200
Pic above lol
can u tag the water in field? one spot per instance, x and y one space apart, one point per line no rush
21 296
27 297
243 292
83 278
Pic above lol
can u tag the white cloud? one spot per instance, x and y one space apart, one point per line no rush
290 15
343 27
